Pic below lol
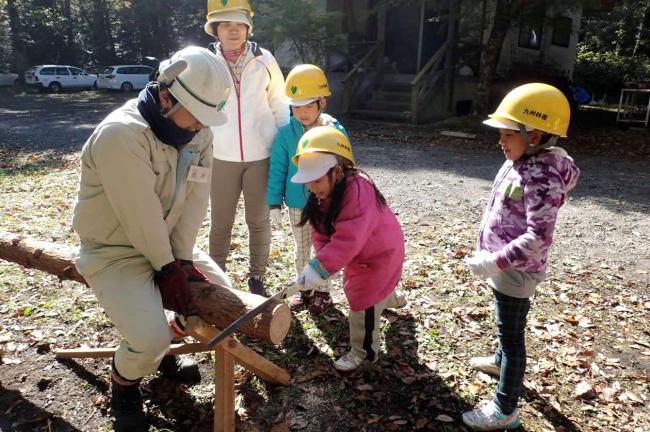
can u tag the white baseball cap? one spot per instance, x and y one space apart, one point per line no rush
312 166
300 102
503 123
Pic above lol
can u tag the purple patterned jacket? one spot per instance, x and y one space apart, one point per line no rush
519 220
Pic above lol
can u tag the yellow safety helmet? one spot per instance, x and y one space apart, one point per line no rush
305 84
324 139
228 10
535 105
218 6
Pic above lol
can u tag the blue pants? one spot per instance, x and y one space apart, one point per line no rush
511 313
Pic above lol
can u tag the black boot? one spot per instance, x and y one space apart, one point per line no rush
127 410
180 368
256 286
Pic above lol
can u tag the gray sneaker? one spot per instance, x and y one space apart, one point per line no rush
490 418
486 365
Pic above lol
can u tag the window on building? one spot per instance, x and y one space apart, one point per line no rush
530 30
562 28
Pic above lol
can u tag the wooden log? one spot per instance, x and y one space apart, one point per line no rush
49 257
216 304
220 306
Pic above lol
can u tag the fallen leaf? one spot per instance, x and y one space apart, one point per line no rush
374 419
281 427
633 397
444 418
420 423
584 390
309 376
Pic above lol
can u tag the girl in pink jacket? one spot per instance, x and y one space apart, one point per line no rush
353 229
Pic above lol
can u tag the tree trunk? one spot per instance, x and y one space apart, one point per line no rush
18 58
490 55
217 305
70 53
639 32
103 36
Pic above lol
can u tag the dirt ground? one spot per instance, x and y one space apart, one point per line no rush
589 333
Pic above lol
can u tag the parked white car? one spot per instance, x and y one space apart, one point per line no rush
7 78
58 77
124 77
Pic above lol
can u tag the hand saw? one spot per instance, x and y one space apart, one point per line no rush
289 289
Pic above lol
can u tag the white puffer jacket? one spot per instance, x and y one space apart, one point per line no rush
254 115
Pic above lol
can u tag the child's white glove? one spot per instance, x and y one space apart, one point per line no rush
483 264
276 218
312 279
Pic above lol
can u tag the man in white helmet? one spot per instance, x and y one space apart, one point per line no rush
143 195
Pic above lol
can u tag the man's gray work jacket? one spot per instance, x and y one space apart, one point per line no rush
139 196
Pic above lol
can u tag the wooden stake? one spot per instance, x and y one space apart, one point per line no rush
188 348
260 366
224 391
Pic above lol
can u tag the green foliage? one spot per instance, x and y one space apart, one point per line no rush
614 47
100 32
300 22
606 72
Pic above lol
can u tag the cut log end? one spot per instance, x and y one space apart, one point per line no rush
280 323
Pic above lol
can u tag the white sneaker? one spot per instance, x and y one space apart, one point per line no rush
396 301
485 365
491 418
349 362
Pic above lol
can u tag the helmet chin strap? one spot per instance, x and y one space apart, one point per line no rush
534 149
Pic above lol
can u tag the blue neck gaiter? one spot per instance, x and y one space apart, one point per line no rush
164 129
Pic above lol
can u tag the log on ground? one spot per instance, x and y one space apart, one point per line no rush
217 305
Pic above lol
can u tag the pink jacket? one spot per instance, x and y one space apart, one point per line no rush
368 242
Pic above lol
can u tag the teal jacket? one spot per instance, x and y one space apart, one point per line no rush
280 189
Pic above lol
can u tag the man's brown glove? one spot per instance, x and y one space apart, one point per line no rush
174 285
193 274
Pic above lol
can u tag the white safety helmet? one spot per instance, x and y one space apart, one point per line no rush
199 82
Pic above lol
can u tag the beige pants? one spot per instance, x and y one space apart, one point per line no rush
229 179
301 238
132 301
364 325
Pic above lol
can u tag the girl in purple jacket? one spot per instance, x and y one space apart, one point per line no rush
517 232
353 229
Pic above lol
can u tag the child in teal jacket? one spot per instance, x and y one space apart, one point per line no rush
306 90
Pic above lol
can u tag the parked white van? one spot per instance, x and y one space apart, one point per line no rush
58 77
124 77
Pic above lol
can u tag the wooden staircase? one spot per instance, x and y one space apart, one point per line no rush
373 89
390 100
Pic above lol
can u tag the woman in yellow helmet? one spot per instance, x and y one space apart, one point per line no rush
353 229
242 146
517 232
306 91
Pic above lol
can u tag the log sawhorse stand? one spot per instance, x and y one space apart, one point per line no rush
226 354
